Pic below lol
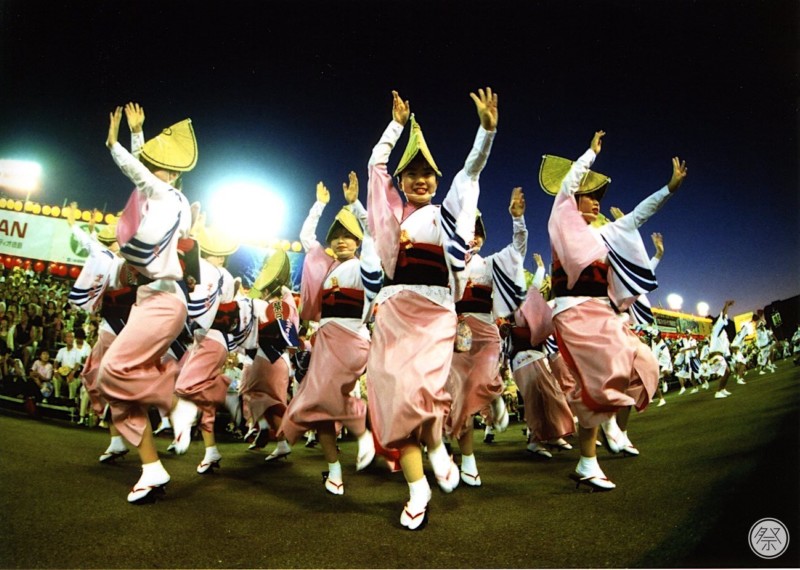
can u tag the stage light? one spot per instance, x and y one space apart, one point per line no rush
674 301
20 175
702 309
249 211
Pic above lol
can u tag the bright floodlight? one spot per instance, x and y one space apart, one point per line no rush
248 211
674 301
20 175
702 309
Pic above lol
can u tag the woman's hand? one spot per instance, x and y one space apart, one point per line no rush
597 141
517 206
351 188
401 110
322 193
114 119
486 105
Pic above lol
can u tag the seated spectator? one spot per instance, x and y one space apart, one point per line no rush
68 365
42 374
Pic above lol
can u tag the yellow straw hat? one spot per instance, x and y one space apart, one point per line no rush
416 144
175 148
108 234
275 273
346 219
214 242
553 170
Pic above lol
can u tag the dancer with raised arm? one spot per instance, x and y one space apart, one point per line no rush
422 248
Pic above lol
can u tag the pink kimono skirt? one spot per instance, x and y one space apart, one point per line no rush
265 387
474 379
133 374
407 369
339 358
547 413
613 368
201 380
91 369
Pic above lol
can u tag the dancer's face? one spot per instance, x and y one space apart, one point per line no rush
418 181
343 244
589 207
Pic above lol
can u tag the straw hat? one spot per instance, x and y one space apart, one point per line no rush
554 169
346 219
175 148
275 273
416 144
108 234
215 242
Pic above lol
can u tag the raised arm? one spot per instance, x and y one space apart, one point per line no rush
308 233
517 210
486 106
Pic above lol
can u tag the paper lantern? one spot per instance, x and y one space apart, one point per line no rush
98 217
55 211
2 202
86 215
18 206
110 219
297 246
46 210
38 267
37 209
8 262
74 271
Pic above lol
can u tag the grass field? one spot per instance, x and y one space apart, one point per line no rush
708 470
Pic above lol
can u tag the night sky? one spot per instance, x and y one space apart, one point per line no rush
296 92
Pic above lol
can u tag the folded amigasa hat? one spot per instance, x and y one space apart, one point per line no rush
108 234
276 272
554 169
214 242
346 219
175 148
416 144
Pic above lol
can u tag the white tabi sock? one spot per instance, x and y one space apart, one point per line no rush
468 464
335 472
440 460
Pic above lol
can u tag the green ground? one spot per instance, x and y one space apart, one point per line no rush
709 470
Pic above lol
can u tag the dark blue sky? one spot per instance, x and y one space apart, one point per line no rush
297 92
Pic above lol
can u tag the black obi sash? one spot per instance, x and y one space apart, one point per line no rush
592 282
342 302
476 299
420 264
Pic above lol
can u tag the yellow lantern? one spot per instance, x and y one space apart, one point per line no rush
110 219
55 211
2 202
37 209
46 210
297 246
18 206
285 245
86 215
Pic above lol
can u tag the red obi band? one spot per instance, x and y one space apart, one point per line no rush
227 318
476 299
420 264
520 339
592 282
117 304
342 302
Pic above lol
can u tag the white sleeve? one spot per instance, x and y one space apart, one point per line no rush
389 138
645 209
572 181
308 233
137 172
520 236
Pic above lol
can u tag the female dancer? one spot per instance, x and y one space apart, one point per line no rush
593 268
422 250
336 292
157 216
495 286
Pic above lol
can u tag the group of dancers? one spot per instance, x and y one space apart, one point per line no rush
398 291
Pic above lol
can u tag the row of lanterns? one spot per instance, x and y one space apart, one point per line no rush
37 265
99 218
54 211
